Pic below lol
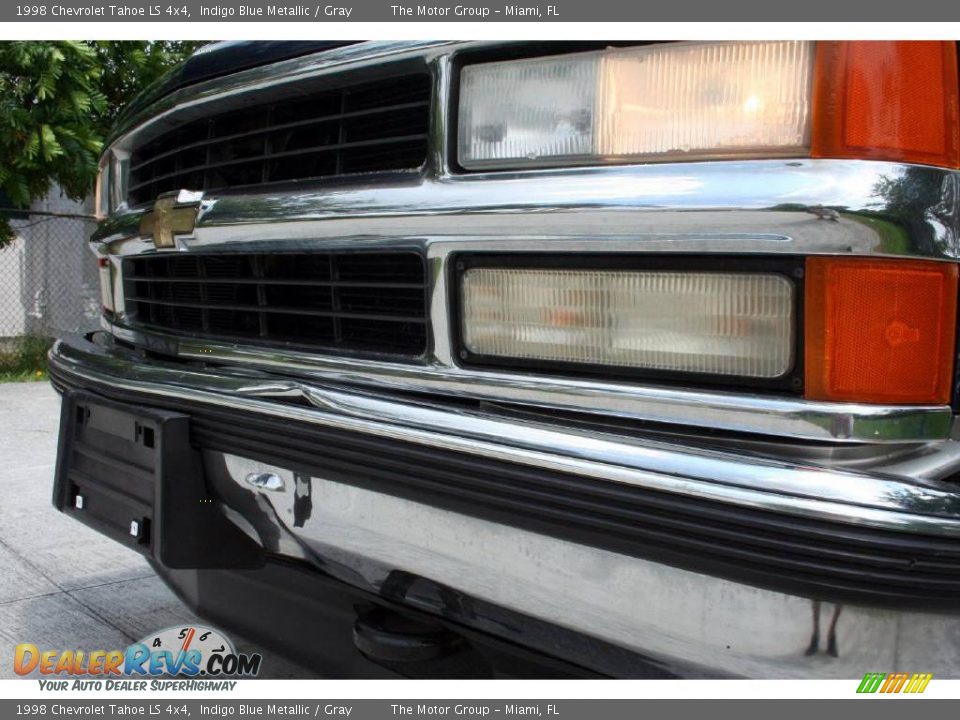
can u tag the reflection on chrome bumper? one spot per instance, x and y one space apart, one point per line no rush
606 586
692 623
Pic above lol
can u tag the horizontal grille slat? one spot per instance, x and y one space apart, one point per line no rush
265 281
281 310
258 159
372 127
349 301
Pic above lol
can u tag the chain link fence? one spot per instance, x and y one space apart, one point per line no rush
48 277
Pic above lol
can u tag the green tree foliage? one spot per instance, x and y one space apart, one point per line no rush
57 102
127 68
49 96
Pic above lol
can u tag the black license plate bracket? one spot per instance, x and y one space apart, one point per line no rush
132 474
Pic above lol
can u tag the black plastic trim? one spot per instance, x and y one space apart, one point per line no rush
129 463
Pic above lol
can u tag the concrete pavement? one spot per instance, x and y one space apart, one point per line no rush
62 585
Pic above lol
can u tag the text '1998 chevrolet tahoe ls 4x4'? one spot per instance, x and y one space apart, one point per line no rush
537 360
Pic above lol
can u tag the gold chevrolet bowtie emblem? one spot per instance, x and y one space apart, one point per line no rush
173 213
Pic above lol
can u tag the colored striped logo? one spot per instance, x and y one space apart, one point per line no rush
894 682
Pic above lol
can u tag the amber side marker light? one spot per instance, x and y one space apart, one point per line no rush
887 100
879 331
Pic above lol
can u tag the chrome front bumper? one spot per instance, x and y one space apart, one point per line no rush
712 622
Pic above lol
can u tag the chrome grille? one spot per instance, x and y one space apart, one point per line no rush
373 127
351 301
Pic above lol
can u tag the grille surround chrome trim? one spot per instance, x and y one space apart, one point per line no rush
237 88
440 372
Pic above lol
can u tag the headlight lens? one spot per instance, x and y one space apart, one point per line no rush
738 324
657 102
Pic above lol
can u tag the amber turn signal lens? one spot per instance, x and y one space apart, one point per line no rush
879 331
887 100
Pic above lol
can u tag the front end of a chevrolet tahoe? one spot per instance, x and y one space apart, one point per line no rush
495 359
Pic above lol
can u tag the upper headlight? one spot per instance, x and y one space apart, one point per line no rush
657 102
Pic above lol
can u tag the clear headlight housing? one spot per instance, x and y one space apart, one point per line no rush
733 324
658 102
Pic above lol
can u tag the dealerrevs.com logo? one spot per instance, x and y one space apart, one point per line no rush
181 652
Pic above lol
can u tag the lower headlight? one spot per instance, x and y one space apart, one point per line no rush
729 324
663 101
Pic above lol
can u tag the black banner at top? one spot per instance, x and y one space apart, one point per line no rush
578 11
